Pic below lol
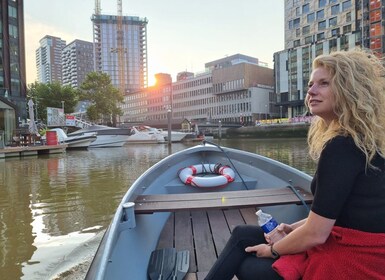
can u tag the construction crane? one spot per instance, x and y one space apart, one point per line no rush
120 48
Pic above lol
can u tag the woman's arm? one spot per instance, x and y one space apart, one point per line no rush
308 233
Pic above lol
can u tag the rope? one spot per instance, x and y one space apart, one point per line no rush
299 197
232 164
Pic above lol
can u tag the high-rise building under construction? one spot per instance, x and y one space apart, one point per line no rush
120 49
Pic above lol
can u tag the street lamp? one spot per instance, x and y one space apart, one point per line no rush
266 113
62 105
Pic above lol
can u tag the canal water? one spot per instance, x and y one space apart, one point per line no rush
54 209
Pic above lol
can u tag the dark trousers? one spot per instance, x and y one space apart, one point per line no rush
235 261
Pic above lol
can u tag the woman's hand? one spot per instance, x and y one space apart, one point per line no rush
261 250
282 229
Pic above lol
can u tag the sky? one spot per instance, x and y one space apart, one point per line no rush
181 35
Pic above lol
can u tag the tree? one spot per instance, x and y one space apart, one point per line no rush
104 97
52 95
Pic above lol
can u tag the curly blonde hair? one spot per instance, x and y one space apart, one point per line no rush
358 85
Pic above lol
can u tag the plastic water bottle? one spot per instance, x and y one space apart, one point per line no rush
269 226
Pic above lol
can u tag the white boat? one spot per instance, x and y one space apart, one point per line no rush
75 142
176 136
165 228
145 134
106 136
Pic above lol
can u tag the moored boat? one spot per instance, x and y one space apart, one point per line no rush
106 136
145 134
173 222
75 142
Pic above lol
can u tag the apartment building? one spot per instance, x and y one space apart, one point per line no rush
12 67
314 27
49 59
121 50
78 61
231 90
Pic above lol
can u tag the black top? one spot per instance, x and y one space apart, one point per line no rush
343 190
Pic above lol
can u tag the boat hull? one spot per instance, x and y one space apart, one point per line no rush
125 248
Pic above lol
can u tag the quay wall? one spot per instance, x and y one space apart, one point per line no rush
296 130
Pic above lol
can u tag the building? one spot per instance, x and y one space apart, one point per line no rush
78 61
12 67
314 27
49 59
230 90
121 50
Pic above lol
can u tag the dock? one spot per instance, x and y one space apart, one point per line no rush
34 150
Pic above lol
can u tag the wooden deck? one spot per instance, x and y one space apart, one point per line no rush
22 151
204 234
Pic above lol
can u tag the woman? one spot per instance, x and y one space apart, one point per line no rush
343 236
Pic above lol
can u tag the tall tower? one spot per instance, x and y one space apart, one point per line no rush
49 59
120 48
12 66
78 61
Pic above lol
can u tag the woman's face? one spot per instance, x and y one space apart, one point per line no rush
320 97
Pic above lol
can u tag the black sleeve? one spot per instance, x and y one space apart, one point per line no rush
339 164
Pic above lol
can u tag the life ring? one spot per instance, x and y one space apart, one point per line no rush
224 172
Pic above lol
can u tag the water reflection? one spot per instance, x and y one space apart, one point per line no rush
50 205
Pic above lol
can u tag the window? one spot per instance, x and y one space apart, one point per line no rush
305 9
308 39
298 32
335 32
296 22
320 36
335 9
348 17
347 29
297 11
332 1
306 30
321 3
375 15
310 18
320 14
346 5
375 4
297 43
333 45
322 25
319 49
375 29
333 21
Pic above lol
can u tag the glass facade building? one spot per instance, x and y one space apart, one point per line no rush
12 67
124 62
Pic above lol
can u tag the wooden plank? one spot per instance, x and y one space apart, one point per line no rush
166 238
219 228
249 216
218 200
204 246
234 218
184 236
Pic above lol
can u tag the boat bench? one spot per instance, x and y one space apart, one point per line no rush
147 204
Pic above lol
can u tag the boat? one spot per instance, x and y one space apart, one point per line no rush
145 134
172 223
176 136
106 136
82 141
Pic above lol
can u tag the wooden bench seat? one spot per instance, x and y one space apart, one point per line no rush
145 204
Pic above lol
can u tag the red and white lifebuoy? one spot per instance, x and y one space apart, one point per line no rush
224 176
